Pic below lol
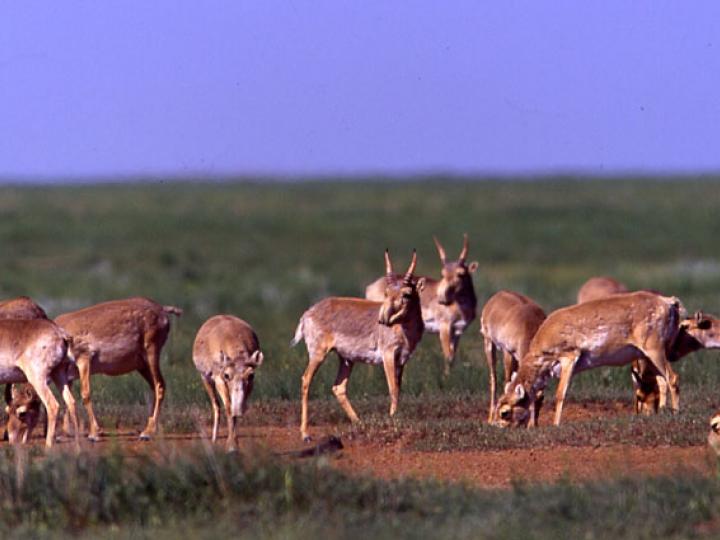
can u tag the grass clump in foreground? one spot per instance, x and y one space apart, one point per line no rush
203 493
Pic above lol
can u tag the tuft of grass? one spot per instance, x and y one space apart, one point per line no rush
203 493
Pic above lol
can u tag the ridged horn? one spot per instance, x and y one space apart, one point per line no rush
440 249
464 252
388 265
411 268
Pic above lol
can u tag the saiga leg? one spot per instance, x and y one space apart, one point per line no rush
492 374
567 366
392 381
307 377
61 381
447 347
83 363
222 389
209 386
670 378
39 383
340 388
152 356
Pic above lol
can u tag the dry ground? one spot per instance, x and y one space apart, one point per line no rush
395 459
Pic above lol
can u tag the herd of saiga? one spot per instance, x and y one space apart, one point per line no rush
608 326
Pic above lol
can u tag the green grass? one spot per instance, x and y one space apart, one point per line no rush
202 493
266 253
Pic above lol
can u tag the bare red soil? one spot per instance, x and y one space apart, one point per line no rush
478 468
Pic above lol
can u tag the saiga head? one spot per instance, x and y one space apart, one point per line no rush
704 329
456 279
402 297
239 375
513 408
23 410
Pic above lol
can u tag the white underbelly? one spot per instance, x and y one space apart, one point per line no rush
621 357
432 326
373 356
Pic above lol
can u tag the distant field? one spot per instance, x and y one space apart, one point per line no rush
267 252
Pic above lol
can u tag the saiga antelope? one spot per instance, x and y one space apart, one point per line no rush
24 409
609 331
21 307
36 351
226 352
599 287
118 337
700 331
448 304
508 322
22 404
378 333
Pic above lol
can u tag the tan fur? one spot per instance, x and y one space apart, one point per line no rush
699 332
24 409
646 390
363 331
21 307
609 331
21 397
508 322
448 305
714 435
118 337
36 351
599 287
226 352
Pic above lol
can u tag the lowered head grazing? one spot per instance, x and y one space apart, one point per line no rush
513 408
239 378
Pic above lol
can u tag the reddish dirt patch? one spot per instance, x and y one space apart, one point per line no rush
501 468
479 468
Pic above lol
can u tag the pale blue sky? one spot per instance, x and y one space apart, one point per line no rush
165 87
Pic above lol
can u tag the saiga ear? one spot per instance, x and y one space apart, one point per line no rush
420 285
520 391
473 266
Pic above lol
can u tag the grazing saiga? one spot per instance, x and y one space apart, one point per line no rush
37 351
698 332
227 352
508 322
610 331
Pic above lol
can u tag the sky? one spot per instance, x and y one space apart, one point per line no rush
93 89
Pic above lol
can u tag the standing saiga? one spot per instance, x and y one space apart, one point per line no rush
358 330
448 304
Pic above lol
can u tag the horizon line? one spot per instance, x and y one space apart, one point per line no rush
365 176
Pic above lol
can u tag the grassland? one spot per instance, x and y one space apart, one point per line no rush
203 494
266 252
